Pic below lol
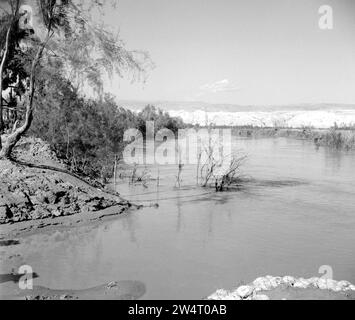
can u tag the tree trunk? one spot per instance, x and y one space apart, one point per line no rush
2 67
15 137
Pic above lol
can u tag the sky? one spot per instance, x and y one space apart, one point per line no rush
249 52
246 52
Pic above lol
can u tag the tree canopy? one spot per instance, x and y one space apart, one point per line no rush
45 39
52 52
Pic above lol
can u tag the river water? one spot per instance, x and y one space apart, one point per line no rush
296 216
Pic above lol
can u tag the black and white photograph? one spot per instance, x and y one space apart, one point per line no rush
177 150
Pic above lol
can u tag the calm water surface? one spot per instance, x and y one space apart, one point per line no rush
199 241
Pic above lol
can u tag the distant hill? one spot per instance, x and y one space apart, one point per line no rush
289 116
203 106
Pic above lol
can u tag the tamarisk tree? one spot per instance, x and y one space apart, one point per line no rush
43 38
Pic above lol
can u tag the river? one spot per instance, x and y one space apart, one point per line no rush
298 215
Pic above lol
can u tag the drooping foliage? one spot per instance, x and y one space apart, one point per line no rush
66 43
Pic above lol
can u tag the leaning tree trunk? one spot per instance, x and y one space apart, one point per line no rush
16 135
2 67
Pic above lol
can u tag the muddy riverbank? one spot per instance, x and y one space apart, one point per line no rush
36 186
39 196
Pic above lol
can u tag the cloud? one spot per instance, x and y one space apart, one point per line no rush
219 86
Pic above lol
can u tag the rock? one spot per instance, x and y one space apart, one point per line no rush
322 284
67 186
249 292
344 284
66 200
337 288
301 283
313 282
328 284
290 281
40 213
5 213
56 213
51 197
219 295
233 296
274 281
73 208
245 291
35 200
262 284
332 284
20 199
82 196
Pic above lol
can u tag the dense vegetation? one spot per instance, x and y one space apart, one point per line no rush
342 138
45 72
87 133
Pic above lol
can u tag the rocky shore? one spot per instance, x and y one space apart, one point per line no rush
289 288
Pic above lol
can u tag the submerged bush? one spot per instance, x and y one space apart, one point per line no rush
338 139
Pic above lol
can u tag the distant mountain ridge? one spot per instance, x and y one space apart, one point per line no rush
324 115
209 107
